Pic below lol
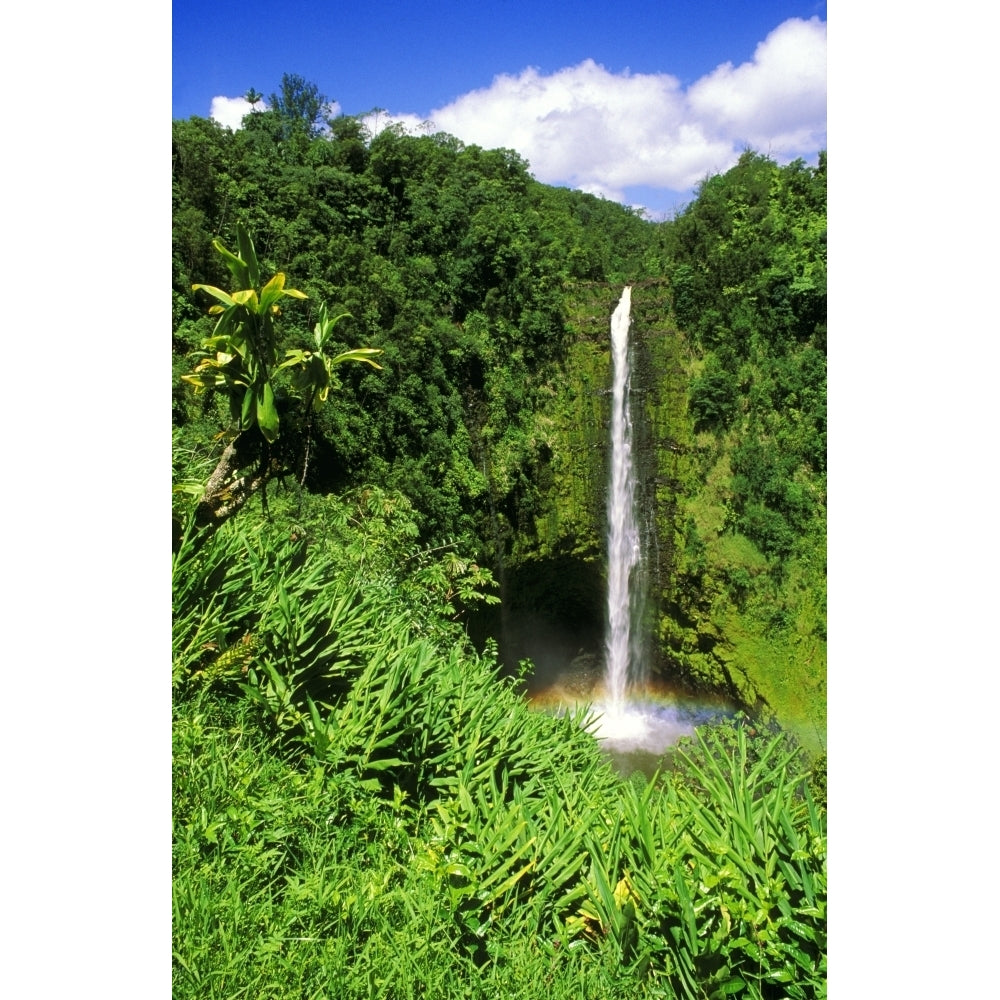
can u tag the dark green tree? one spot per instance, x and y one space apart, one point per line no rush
299 104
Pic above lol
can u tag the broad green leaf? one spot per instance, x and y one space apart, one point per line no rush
364 354
802 960
247 410
203 381
272 291
382 765
247 297
781 976
267 413
319 375
323 329
296 357
238 268
804 932
733 985
249 254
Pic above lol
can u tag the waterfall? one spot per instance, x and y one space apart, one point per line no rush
632 716
620 644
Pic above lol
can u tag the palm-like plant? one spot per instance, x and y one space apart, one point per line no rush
314 368
241 358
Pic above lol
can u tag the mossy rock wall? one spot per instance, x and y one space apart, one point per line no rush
570 430
720 616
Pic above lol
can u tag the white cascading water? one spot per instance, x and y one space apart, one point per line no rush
623 533
631 717
616 720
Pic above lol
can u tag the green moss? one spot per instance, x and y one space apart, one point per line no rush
735 550
730 618
569 440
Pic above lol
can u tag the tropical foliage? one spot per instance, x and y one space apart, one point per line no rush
364 806
364 802
240 360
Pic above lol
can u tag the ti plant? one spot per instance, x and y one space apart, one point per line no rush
242 351
313 368
241 359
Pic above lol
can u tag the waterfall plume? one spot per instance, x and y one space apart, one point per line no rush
624 549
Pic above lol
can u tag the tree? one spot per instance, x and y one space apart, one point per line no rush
241 360
300 104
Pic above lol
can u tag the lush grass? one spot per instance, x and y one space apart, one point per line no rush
364 808
291 879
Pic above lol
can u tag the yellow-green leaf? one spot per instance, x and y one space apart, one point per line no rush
364 354
237 267
276 283
272 291
203 381
246 297
296 357
216 292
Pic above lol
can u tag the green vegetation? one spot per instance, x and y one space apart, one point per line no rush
364 803
363 807
747 266
241 361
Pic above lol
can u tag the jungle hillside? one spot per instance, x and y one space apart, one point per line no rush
389 442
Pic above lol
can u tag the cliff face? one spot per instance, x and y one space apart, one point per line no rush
720 615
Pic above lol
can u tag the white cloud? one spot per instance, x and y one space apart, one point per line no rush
229 111
778 100
604 132
587 127
376 121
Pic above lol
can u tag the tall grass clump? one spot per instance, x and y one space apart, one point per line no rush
733 884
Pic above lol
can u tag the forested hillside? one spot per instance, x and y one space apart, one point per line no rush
479 285
451 260
391 365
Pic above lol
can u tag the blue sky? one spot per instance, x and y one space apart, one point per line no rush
636 100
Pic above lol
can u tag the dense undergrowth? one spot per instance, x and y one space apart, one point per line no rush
363 807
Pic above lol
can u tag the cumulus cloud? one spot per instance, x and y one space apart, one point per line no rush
376 121
604 132
589 128
778 100
229 111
